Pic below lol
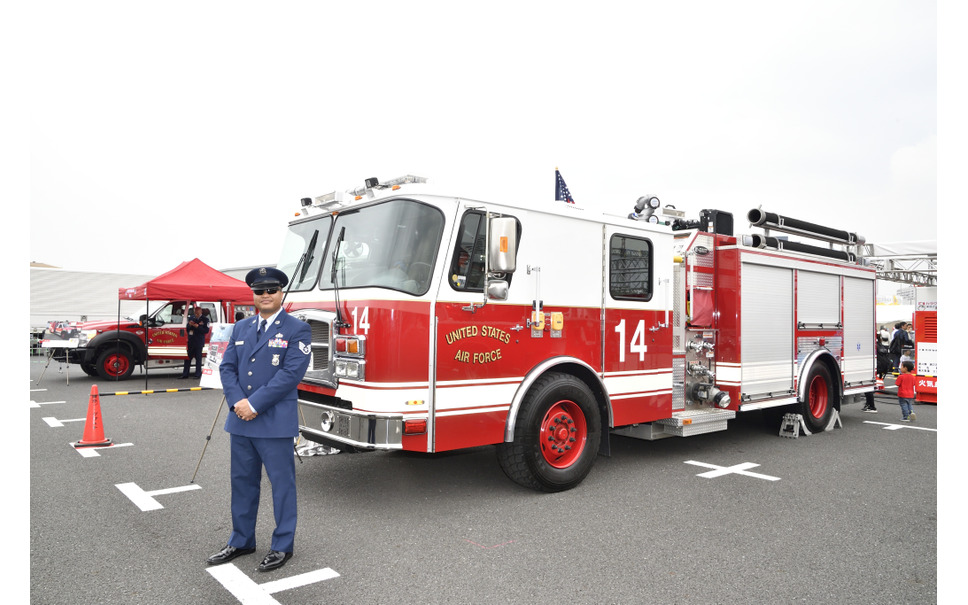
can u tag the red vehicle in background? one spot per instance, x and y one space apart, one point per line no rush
926 343
111 349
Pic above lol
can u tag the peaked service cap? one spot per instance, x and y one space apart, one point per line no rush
266 277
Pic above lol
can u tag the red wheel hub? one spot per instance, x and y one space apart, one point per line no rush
818 396
563 434
116 365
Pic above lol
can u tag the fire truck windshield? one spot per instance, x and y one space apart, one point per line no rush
388 245
302 252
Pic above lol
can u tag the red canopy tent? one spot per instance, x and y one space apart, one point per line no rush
190 280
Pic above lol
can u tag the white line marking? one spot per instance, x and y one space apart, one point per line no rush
739 469
301 580
249 593
53 422
145 500
91 452
37 390
896 427
37 404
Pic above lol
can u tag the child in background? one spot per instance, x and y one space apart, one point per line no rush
905 390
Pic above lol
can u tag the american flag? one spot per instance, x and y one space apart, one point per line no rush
561 190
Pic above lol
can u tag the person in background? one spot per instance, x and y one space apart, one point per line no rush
198 324
905 391
907 355
884 337
899 341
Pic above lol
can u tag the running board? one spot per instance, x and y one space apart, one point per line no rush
685 423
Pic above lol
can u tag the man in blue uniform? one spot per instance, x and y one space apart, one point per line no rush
265 359
197 329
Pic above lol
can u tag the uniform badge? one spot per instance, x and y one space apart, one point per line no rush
306 349
275 359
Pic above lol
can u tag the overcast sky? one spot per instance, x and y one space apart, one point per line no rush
165 132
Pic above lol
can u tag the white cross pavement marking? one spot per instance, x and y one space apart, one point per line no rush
53 422
91 451
145 500
37 404
896 427
739 469
249 593
301 580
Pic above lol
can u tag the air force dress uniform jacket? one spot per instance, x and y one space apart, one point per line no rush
266 370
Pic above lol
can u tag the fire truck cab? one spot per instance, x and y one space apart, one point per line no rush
441 322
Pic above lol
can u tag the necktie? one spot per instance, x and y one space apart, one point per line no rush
262 328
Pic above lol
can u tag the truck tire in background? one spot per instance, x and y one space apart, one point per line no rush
115 363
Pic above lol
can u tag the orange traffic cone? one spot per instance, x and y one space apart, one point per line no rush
93 428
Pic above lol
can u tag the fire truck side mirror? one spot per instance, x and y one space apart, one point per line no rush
502 249
497 289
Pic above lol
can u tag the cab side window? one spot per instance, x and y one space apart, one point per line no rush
210 307
466 272
172 313
630 268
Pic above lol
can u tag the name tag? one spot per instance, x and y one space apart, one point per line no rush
239 342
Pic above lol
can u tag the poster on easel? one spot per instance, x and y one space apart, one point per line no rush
221 333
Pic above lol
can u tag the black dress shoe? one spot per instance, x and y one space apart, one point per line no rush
274 560
227 554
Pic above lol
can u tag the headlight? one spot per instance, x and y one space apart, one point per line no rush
350 368
85 336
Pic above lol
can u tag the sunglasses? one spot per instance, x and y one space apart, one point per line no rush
266 291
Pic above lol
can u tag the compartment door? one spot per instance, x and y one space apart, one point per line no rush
860 356
767 330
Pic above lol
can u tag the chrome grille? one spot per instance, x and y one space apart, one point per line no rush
321 365
321 355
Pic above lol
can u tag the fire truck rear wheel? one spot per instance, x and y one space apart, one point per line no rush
115 364
556 435
819 399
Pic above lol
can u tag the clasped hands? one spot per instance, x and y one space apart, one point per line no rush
244 411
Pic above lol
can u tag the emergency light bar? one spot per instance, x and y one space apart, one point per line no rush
373 183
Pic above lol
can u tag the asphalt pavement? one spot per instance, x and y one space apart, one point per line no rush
741 516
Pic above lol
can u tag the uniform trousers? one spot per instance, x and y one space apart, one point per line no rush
249 455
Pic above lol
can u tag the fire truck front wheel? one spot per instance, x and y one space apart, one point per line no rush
556 435
818 402
115 363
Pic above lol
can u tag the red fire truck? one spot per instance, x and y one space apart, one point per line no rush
926 341
441 322
111 350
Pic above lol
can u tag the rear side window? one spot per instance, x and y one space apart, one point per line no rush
630 268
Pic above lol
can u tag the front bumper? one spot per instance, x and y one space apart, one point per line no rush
339 428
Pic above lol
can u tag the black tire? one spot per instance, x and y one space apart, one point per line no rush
115 363
89 370
819 398
556 435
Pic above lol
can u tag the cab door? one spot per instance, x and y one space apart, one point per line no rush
474 342
167 336
637 352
